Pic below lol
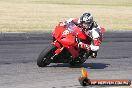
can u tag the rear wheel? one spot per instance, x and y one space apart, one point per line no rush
46 55
79 60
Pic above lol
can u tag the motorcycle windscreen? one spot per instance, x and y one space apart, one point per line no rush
77 31
58 31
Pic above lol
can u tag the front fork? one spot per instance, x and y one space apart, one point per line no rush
72 50
59 46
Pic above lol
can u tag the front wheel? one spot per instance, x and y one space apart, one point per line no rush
46 55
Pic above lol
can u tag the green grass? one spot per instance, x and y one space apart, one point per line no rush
43 15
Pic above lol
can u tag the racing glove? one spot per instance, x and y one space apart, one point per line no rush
84 46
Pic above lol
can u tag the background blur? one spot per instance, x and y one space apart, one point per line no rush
43 15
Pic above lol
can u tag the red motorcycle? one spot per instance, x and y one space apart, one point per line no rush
64 48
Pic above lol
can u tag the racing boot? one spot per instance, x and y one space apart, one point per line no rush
93 54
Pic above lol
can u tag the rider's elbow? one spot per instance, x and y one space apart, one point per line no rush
95 34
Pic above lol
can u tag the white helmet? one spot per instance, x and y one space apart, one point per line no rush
86 21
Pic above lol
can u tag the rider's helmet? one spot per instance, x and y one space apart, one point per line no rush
86 21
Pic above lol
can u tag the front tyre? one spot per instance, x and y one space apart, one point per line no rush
46 55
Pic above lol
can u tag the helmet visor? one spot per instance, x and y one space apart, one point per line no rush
86 25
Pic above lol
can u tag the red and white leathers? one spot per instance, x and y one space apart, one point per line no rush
94 33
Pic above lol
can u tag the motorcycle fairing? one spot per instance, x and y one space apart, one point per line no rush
66 38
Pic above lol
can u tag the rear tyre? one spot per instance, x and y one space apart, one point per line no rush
46 55
79 60
73 63
77 63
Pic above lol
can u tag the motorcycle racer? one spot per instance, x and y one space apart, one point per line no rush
74 40
91 29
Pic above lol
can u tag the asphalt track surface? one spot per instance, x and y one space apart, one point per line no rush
18 68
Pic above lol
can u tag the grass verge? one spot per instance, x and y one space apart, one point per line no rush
43 15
